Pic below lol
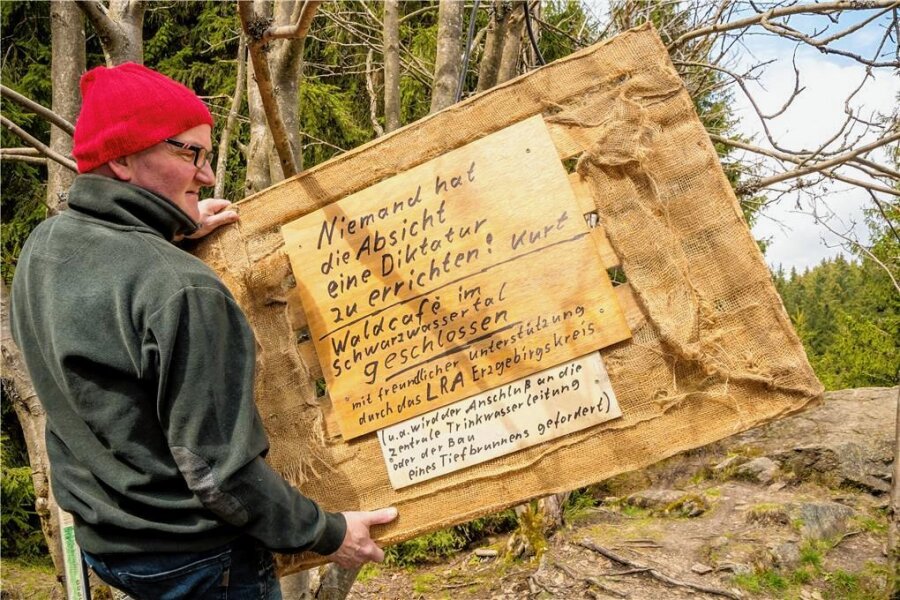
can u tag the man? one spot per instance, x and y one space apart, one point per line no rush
145 365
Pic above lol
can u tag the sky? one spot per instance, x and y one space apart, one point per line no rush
795 239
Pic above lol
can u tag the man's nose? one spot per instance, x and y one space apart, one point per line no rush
206 176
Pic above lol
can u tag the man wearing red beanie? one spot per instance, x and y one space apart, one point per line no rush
144 364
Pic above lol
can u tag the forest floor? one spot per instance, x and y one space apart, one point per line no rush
795 509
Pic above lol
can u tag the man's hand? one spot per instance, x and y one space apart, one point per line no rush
212 216
358 548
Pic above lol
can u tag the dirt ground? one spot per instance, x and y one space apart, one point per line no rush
813 529
793 510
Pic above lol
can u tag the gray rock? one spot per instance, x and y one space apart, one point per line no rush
760 469
701 569
821 520
486 552
654 499
787 554
736 568
732 461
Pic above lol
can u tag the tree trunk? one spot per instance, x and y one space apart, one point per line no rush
448 63
893 541
260 150
225 136
33 421
391 52
119 27
296 586
287 72
493 47
336 582
512 45
67 64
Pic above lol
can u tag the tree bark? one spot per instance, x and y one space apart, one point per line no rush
336 582
493 47
236 100
448 63
33 421
120 28
512 45
391 52
296 586
260 148
893 541
68 62
287 73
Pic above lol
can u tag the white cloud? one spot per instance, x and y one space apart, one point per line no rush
814 117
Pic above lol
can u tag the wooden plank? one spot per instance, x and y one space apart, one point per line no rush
585 199
524 413
457 276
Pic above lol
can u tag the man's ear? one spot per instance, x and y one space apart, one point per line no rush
121 168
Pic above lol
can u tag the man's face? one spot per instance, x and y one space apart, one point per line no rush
169 171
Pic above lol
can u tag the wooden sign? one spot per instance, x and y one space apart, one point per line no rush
529 411
466 272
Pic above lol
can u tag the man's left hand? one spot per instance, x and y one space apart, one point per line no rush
212 216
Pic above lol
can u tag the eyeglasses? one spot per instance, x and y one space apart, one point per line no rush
202 156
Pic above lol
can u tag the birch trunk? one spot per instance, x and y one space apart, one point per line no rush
67 64
287 73
261 146
33 421
512 45
893 541
391 52
493 47
225 137
448 63
120 28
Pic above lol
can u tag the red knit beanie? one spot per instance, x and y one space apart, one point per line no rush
129 108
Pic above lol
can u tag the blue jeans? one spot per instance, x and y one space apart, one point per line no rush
240 570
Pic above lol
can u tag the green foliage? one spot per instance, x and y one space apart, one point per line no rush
422 584
19 524
329 121
847 313
26 69
446 542
579 503
20 527
872 583
368 572
758 582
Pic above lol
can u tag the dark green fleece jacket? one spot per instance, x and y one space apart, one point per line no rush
144 364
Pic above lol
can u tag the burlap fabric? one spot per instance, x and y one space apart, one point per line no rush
714 353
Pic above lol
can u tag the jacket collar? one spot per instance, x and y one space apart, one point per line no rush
123 204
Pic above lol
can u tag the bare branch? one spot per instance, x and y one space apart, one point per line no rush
821 166
225 138
119 27
883 212
296 31
35 160
251 24
43 148
796 160
37 109
373 97
781 11
855 243
873 165
20 151
391 54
